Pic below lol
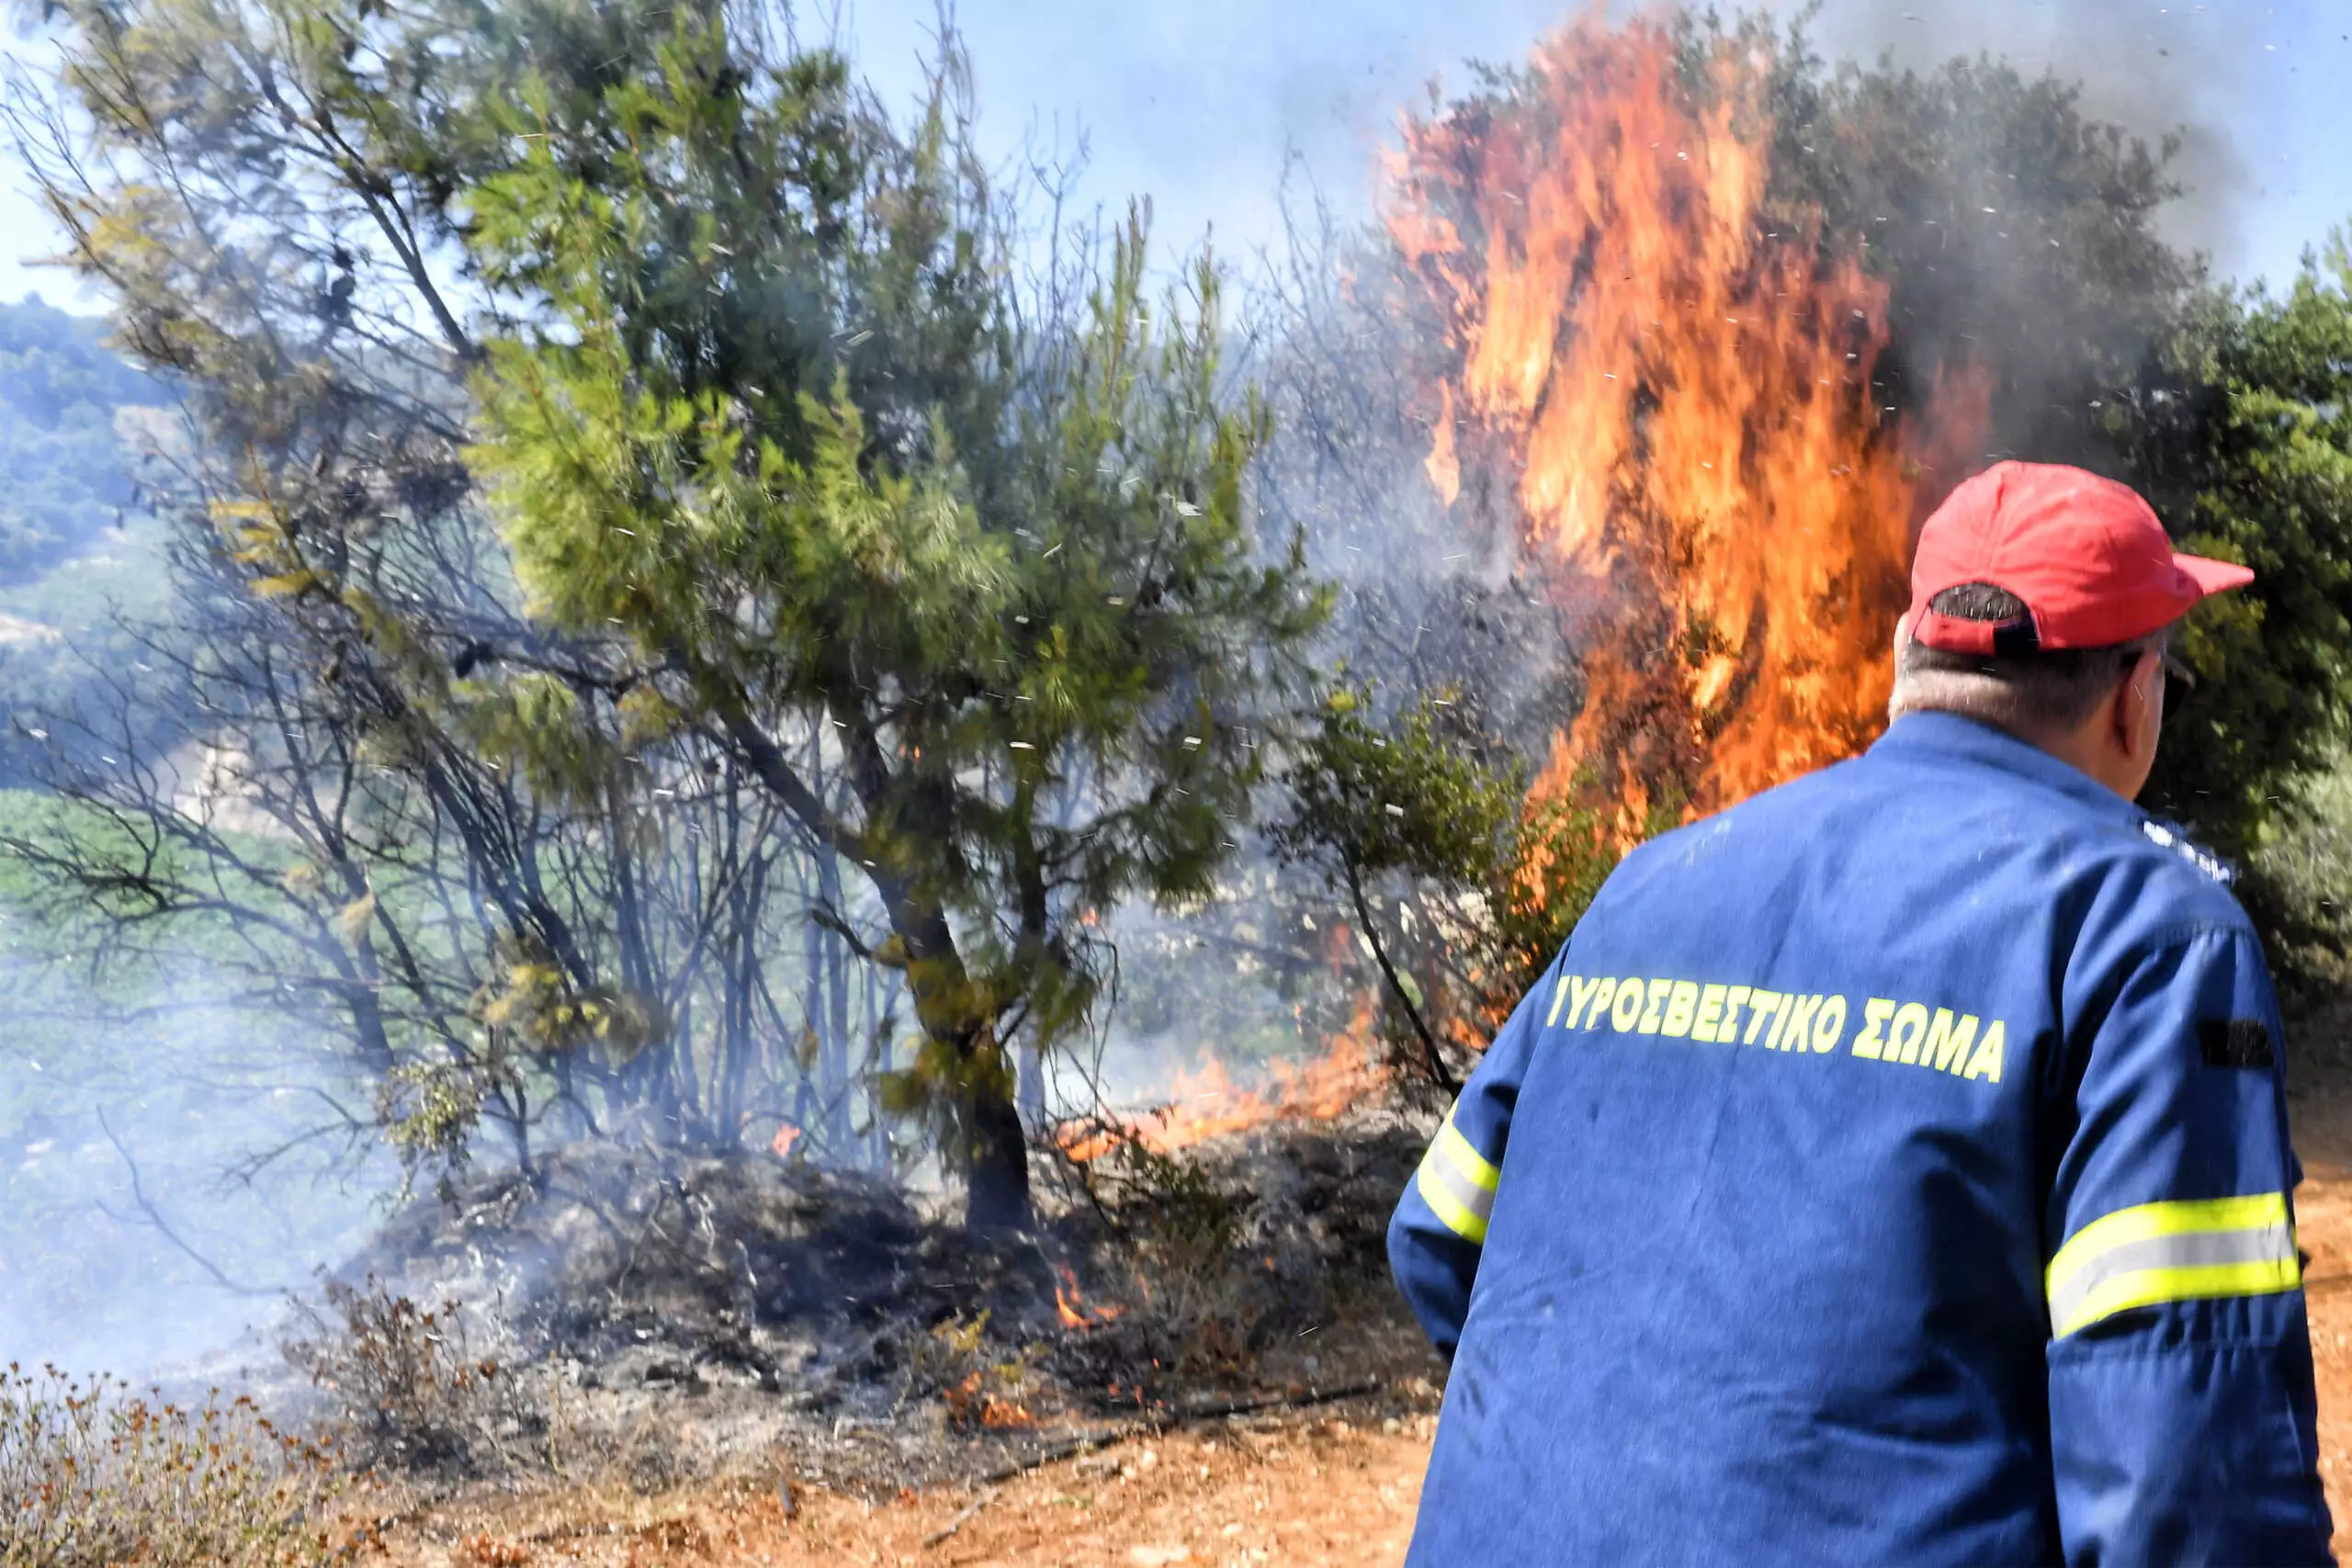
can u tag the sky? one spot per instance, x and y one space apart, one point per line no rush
1205 105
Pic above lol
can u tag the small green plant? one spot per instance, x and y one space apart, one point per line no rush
92 1476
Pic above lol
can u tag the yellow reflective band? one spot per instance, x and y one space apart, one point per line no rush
2148 1220
1458 1183
2154 1287
1473 1166
2190 1250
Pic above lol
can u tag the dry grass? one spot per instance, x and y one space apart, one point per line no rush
92 1476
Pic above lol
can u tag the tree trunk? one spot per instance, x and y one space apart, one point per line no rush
996 1152
1031 1090
995 1169
996 1160
833 1019
881 1018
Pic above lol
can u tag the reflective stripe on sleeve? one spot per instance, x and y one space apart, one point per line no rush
1458 1183
2172 1252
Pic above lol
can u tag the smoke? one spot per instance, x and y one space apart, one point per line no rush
170 1168
2152 69
1208 106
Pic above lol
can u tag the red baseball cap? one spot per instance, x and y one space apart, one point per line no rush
2085 555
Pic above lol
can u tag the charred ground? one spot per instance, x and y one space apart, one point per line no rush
651 1320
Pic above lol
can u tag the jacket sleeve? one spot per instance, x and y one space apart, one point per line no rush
1440 1226
2182 1418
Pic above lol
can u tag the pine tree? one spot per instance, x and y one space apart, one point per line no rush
775 406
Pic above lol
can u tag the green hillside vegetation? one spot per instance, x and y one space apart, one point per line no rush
63 477
75 550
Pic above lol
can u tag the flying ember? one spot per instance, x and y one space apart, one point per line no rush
1678 385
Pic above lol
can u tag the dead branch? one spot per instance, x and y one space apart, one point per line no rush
952 1526
1161 1421
155 1218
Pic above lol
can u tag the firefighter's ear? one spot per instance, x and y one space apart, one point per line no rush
2135 720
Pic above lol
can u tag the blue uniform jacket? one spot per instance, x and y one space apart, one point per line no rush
1892 1169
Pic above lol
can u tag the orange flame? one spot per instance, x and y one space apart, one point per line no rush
1688 395
1206 1101
967 1399
786 1137
1070 1307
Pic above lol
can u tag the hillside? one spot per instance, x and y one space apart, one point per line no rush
63 477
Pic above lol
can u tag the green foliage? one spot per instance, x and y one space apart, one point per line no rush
2242 432
1464 887
2300 880
780 412
1414 799
65 472
72 543
2018 236
276 196
533 1019
815 505
429 1110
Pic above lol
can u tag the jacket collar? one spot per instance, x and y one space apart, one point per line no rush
1949 738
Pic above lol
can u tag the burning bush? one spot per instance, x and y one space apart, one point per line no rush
1686 393
92 1476
975 1381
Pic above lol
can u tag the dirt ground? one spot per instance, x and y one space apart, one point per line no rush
1333 1486
1316 1493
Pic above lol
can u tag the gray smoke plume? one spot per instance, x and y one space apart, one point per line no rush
171 1169
2152 69
1207 105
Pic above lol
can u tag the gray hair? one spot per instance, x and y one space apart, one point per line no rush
2030 694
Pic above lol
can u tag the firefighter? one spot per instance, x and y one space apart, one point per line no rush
1894 1168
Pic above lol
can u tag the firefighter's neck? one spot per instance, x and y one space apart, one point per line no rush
2117 744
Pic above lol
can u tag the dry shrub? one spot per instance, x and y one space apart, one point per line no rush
488 1552
92 1476
978 1385
418 1387
1208 1293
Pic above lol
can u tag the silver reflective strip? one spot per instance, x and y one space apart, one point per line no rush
2188 1249
1466 1195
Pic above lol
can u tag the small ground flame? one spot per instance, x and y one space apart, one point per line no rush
1206 1101
1071 1306
968 1401
1684 386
